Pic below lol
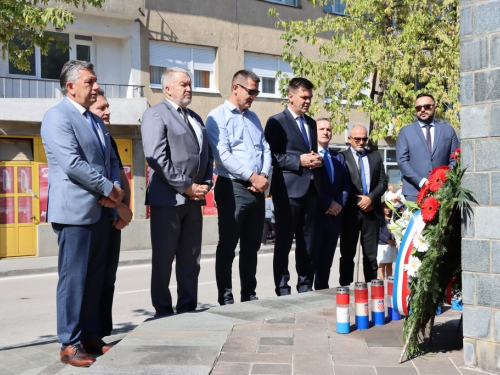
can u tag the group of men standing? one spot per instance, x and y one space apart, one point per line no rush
312 188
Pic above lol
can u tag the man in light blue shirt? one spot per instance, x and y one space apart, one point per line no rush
242 162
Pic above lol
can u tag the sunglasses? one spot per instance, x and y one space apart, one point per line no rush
357 140
418 108
250 92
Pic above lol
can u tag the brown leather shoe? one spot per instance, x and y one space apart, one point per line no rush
76 355
96 346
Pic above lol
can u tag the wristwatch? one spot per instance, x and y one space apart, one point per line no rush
264 175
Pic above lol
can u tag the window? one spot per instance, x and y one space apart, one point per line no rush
266 67
335 6
293 3
200 61
49 66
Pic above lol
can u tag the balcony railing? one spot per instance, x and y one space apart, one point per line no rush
49 89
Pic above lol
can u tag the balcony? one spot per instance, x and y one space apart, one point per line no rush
50 89
126 10
127 102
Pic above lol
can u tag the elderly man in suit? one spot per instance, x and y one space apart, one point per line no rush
295 185
423 146
335 186
84 179
363 210
242 162
176 148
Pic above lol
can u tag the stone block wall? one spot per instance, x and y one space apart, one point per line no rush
480 134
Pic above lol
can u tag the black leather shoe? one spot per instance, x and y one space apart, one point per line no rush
96 346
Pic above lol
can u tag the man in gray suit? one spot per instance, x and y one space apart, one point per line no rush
176 148
423 146
84 179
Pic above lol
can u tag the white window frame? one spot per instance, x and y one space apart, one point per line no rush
189 65
281 65
72 55
331 8
283 2
74 42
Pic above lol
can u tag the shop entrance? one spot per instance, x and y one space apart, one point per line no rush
18 205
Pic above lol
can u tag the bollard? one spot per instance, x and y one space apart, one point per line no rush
361 303
378 305
343 319
391 313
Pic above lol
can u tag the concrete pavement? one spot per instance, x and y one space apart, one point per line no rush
287 335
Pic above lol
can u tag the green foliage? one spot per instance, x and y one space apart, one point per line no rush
396 48
442 262
27 21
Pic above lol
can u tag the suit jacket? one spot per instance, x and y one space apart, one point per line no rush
289 178
79 172
413 156
378 181
337 191
174 154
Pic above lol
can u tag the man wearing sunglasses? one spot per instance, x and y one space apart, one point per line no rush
363 210
423 146
242 163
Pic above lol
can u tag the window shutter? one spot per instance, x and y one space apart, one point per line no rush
263 66
203 59
168 55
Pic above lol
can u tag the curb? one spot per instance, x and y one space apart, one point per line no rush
125 262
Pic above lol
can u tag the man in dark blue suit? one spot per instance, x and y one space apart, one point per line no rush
423 146
294 185
335 187
363 210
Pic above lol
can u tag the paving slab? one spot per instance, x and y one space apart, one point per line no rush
283 335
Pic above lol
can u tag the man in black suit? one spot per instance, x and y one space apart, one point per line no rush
294 186
335 186
363 210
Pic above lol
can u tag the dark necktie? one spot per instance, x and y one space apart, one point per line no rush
303 131
184 115
328 164
94 125
428 136
362 172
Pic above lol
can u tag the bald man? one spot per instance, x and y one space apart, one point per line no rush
363 210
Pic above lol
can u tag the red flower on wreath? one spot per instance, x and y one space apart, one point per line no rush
429 208
422 193
437 178
456 154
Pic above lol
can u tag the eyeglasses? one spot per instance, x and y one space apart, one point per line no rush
418 108
357 140
251 92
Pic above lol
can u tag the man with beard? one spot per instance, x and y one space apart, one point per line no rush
423 146
176 148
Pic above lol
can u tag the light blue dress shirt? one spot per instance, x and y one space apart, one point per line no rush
238 143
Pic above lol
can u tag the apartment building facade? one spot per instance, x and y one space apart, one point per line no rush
130 44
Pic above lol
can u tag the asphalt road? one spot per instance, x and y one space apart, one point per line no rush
28 303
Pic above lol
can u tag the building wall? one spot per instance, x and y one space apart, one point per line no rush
232 27
480 117
121 36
